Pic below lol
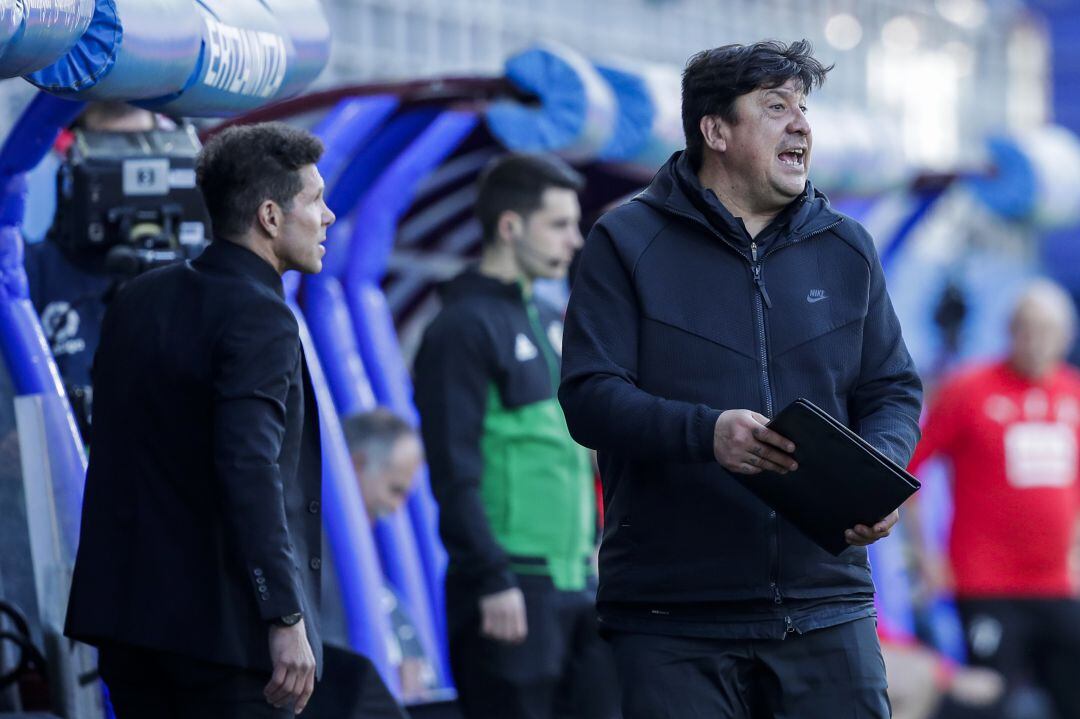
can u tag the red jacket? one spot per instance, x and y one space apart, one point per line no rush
1013 448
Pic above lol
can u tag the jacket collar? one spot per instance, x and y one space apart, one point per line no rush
676 190
226 256
471 282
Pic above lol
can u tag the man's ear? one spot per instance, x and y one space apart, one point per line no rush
269 216
509 227
714 132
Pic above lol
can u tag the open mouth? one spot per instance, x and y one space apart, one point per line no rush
792 157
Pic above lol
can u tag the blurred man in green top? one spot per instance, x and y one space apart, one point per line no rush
515 492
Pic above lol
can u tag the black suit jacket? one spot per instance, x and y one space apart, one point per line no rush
201 517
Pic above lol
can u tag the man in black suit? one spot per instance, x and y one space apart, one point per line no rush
198 566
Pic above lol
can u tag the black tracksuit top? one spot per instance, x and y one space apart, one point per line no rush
677 315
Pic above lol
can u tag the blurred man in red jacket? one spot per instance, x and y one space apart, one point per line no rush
1010 429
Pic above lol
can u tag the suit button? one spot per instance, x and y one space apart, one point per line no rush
258 572
315 563
260 580
313 507
263 589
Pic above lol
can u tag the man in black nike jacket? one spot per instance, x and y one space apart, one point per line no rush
702 307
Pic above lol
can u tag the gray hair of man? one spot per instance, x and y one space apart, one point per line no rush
374 434
1042 327
1050 297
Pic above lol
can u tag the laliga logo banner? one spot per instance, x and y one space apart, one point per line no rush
188 57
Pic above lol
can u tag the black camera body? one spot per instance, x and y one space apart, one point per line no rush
127 201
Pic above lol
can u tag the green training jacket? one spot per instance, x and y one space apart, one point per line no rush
515 492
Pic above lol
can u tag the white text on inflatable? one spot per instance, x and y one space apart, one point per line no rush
242 61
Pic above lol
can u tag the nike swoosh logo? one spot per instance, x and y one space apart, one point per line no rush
812 300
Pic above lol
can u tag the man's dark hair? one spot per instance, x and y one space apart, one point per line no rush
516 182
243 166
374 433
713 79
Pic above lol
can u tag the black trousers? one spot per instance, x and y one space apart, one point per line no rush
1036 640
563 670
145 684
832 673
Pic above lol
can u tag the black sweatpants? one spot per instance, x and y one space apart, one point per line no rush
1035 640
832 673
145 684
563 670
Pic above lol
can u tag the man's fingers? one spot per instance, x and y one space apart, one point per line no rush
506 628
499 626
521 626
276 680
855 539
771 466
886 525
759 418
308 690
278 695
767 436
288 689
296 689
861 535
292 687
747 468
497 629
781 461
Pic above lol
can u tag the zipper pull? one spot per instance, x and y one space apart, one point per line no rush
789 626
777 599
757 276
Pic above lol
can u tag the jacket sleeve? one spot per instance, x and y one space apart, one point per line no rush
453 371
604 407
254 362
887 399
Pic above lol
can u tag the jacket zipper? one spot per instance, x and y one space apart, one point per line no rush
759 315
549 360
761 302
541 342
774 521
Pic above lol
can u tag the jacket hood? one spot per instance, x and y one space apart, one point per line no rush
676 190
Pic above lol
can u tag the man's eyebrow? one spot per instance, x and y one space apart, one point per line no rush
782 91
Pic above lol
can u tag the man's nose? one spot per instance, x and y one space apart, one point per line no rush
799 123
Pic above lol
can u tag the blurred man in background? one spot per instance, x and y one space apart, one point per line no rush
1010 430
517 511
386 455
703 306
